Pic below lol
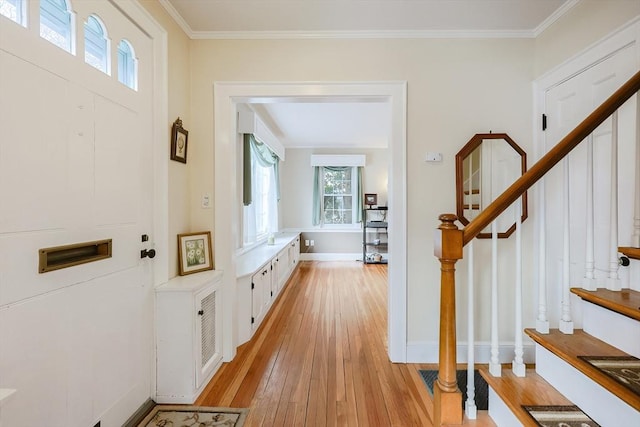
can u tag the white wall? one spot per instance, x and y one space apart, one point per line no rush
296 187
585 24
456 88
181 204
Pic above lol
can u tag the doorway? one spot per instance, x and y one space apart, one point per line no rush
226 98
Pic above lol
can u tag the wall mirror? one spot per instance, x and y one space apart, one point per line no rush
487 165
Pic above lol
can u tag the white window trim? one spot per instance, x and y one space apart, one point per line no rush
338 160
354 196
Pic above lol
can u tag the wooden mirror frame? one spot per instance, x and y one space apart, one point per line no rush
466 151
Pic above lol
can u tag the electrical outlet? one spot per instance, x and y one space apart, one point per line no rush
306 242
312 243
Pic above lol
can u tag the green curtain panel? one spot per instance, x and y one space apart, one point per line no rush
317 205
252 148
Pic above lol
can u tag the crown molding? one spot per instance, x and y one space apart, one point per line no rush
389 34
177 18
555 16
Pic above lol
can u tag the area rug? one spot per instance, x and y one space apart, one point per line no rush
623 369
193 416
481 387
560 416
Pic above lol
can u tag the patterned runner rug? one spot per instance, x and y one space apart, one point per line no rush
560 416
624 369
194 416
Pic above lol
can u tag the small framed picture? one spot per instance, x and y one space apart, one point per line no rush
370 199
179 139
194 252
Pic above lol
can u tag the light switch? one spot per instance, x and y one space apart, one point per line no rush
206 201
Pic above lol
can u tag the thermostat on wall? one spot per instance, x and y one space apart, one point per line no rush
433 157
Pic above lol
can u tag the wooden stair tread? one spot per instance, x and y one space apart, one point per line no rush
630 252
625 302
569 346
529 390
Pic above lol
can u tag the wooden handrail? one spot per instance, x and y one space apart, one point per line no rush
549 160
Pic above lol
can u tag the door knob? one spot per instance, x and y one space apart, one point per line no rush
147 253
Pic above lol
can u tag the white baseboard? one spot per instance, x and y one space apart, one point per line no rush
427 352
310 256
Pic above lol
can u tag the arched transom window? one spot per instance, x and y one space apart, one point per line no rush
127 65
96 44
14 10
56 23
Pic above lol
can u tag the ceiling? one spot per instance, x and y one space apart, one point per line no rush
334 123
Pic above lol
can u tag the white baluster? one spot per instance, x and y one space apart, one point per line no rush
613 281
542 323
470 407
517 365
635 239
494 364
589 281
470 196
566 324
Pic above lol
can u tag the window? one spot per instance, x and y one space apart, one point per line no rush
56 24
337 189
96 44
14 10
260 212
338 195
127 65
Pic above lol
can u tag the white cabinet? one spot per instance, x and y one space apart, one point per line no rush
188 335
260 294
261 275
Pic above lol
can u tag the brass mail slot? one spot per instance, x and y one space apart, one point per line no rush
69 255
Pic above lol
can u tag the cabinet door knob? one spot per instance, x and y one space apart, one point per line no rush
200 312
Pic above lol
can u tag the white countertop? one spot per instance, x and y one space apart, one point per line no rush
251 261
190 281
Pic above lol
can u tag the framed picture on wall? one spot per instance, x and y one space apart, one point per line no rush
194 252
179 139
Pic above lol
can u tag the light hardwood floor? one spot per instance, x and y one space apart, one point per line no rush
320 357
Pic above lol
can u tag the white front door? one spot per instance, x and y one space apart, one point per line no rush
75 166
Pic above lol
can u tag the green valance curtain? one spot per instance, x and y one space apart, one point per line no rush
265 158
317 192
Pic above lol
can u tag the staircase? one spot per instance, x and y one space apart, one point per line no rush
610 317
561 377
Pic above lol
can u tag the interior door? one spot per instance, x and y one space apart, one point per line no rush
567 104
74 167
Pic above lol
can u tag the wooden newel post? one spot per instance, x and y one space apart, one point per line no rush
446 395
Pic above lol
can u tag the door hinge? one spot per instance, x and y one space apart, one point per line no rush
271 267
271 293
544 122
253 285
253 320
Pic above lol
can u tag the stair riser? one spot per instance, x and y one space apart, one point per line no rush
611 327
605 408
500 412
